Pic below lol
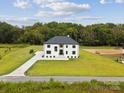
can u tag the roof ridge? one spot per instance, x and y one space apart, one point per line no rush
61 40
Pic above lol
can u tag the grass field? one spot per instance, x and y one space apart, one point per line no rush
62 87
12 56
87 65
115 57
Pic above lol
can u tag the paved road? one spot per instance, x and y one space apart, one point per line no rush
22 69
58 78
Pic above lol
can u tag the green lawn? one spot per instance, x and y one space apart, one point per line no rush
12 59
87 65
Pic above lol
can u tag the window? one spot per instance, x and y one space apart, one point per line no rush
48 46
68 56
73 52
66 52
66 46
61 46
61 52
48 52
55 48
74 46
53 56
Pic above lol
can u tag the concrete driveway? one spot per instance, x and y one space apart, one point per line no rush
23 68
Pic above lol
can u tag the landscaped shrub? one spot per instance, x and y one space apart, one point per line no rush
31 51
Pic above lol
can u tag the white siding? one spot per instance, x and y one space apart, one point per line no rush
56 54
53 53
70 49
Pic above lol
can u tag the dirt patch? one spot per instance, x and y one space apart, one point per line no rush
105 51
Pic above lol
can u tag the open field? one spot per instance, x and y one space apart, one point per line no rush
62 87
115 57
88 64
113 53
105 51
99 47
12 56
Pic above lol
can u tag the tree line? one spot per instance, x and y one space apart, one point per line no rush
91 35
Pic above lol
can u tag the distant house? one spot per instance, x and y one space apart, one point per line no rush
61 47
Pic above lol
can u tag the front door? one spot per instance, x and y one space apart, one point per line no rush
61 52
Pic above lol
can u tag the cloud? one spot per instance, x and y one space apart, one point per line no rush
68 7
18 20
50 9
105 1
89 18
111 1
119 1
21 4
60 8
79 18
13 18
51 14
40 2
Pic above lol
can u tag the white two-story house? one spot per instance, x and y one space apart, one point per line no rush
61 47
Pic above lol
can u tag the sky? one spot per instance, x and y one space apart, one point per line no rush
85 12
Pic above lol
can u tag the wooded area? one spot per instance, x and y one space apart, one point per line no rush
91 35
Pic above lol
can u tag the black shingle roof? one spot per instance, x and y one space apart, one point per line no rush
61 40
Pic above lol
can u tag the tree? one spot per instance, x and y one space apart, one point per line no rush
95 35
